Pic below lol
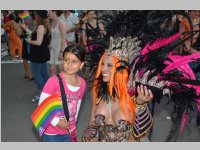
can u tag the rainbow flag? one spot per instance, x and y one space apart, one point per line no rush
45 112
25 16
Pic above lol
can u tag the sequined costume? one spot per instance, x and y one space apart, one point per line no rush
103 132
156 65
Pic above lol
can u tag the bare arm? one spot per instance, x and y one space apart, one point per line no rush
74 28
83 35
102 30
40 36
62 29
25 28
63 124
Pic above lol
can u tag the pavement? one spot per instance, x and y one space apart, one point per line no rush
17 107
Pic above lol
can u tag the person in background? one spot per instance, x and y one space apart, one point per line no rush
72 23
14 31
26 48
93 34
58 43
191 46
92 29
6 34
39 48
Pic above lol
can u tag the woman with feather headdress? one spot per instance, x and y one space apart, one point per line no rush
156 65
115 115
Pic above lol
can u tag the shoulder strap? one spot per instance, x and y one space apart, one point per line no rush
64 102
91 27
93 30
97 24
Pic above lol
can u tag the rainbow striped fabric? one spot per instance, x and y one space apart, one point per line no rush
45 112
25 16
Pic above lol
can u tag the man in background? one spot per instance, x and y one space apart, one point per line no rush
72 22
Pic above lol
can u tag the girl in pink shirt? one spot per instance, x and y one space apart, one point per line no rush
74 85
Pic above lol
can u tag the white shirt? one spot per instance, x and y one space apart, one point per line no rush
71 22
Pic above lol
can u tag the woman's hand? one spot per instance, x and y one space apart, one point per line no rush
28 41
144 95
63 124
60 57
23 25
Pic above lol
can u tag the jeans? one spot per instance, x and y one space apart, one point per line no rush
40 73
28 46
56 138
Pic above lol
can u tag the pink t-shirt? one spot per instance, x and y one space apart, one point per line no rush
52 87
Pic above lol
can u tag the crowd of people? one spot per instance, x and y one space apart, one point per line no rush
129 58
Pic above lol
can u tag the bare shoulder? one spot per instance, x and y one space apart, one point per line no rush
101 26
83 26
41 28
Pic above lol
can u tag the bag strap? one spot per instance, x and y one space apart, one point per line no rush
64 102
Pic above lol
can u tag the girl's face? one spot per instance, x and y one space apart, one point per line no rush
107 65
71 63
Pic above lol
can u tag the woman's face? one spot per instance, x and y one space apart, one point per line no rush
51 14
107 65
91 15
194 13
71 63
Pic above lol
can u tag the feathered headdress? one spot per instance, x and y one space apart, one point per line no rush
125 49
156 61
158 33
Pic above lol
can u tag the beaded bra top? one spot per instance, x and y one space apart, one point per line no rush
111 133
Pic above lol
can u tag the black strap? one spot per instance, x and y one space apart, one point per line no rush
92 29
64 99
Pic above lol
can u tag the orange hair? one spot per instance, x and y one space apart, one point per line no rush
118 82
186 24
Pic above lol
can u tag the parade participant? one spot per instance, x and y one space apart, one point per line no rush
5 18
15 32
72 23
156 65
59 129
28 23
191 45
58 44
92 29
114 114
39 48
93 36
